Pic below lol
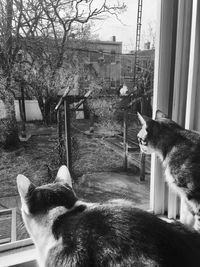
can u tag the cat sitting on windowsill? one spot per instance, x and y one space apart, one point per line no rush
179 151
69 232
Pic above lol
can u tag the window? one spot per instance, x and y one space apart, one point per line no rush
113 54
176 92
176 80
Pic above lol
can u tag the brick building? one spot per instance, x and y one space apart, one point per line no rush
146 66
105 59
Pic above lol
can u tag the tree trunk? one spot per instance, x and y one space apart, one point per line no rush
41 106
9 128
45 109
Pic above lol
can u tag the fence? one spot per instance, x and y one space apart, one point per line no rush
8 225
32 110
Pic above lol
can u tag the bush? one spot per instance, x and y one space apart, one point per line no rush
104 110
9 134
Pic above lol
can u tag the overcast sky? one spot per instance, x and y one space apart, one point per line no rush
126 32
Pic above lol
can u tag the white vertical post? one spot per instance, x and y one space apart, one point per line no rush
180 80
192 107
193 95
182 61
163 82
13 225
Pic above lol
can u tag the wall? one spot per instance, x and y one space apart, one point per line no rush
107 47
2 110
32 110
107 64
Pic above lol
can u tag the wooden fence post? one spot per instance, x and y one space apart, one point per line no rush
59 123
142 167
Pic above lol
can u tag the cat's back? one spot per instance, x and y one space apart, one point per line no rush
69 232
116 234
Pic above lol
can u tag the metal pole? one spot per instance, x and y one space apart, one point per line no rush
67 133
143 156
125 141
138 34
23 110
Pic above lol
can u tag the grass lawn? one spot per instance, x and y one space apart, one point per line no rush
94 166
31 159
40 151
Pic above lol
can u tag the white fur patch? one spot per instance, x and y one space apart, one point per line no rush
40 230
171 182
147 149
169 177
64 176
23 184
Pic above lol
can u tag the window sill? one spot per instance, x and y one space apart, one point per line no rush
18 253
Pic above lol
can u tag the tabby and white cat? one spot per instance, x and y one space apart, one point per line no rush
68 232
179 151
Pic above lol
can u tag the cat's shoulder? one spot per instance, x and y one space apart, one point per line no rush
86 211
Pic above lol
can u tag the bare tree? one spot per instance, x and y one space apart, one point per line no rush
149 34
64 25
45 30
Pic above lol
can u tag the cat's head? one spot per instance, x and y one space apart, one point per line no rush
41 205
38 200
155 134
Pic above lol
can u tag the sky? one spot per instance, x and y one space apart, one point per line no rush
125 31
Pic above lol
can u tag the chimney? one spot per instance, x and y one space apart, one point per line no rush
114 38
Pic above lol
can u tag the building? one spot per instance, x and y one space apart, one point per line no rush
105 59
113 67
144 69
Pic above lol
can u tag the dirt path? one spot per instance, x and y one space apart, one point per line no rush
103 186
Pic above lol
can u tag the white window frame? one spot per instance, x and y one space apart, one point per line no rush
13 224
176 84
163 77
17 252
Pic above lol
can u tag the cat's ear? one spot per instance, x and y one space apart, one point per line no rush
23 184
64 176
141 119
160 115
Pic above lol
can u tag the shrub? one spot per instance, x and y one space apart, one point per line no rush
104 108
